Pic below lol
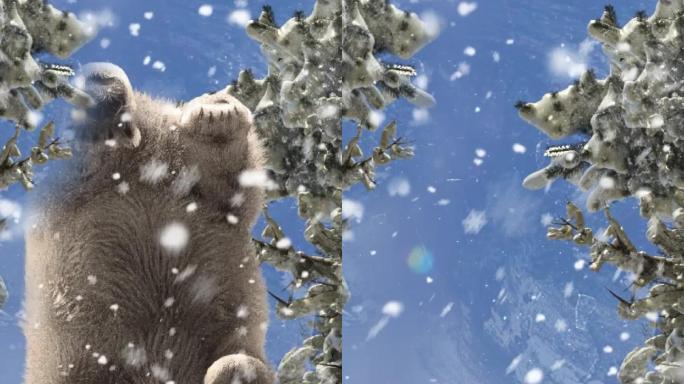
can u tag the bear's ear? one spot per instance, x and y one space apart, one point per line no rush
111 115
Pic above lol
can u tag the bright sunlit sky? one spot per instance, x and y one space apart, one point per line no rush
451 276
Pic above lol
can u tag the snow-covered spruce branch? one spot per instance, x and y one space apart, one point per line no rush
26 28
322 70
633 124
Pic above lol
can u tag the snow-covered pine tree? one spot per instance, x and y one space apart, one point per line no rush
323 70
28 28
633 125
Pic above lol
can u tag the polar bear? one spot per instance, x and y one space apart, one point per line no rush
139 262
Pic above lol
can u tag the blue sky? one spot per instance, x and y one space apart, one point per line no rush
485 306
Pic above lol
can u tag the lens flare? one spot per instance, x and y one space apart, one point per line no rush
420 259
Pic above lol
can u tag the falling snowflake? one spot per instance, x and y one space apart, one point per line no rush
174 237
474 222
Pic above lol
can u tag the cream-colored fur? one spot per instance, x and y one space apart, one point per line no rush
112 295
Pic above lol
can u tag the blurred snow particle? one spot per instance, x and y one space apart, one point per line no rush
429 280
375 118
540 318
466 8
159 65
256 178
420 116
102 360
390 309
546 219
134 28
443 202
608 349
104 43
514 364
239 17
421 81
500 274
432 23
10 209
612 371
534 376
212 71
431 189
352 209
510 42
446 309
568 63
479 152
477 162
283 243
232 219
153 171
399 186
205 10
474 222
147 60
496 56
393 308
560 325
579 264
174 237
558 364
469 51
123 188
462 70
567 290
96 20
624 336
148 15
519 148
